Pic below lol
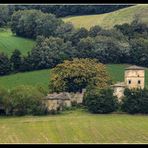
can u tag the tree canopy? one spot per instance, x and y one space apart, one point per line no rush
75 75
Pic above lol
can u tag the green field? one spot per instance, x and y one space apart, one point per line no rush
76 126
34 78
10 42
108 20
42 77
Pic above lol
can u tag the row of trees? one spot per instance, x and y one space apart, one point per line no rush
57 41
108 46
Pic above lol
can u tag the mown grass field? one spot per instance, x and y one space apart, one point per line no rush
10 42
76 126
108 20
42 77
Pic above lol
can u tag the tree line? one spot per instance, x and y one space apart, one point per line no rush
57 41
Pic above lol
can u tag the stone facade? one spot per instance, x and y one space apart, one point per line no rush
57 101
134 77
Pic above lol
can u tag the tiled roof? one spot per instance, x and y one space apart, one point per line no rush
134 67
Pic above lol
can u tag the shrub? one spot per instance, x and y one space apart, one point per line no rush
3 93
24 100
5 65
41 89
135 101
100 100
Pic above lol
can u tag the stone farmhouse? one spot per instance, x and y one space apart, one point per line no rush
134 77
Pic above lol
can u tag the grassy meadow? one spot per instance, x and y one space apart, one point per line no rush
10 42
77 126
108 20
42 77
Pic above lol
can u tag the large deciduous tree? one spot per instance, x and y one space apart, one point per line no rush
77 74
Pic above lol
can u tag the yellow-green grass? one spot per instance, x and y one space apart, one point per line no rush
77 126
108 20
42 77
10 42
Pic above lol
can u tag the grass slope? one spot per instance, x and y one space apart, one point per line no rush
108 20
76 126
34 78
9 42
42 77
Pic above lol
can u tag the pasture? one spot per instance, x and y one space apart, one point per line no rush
10 42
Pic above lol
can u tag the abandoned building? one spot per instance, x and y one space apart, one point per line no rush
134 77
57 101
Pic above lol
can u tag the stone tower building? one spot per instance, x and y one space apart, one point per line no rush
134 77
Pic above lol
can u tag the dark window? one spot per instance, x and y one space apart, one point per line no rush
129 82
139 81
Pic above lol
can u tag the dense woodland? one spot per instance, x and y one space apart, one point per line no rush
57 41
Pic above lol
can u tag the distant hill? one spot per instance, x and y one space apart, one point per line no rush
9 42
108 20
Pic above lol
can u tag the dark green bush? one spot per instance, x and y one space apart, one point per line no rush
135 101
100 100
24 100
3 93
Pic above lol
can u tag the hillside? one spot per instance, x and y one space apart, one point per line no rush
9 42
108 20
42 77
